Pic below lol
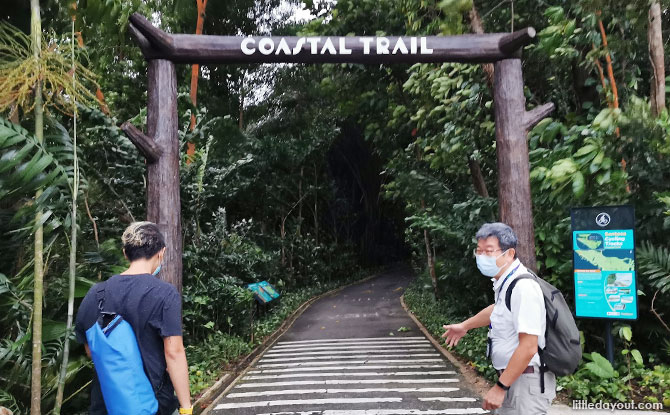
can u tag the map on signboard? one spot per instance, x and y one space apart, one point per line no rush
602 250
589 241
604 267
611 260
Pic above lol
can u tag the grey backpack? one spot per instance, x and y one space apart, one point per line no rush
562 351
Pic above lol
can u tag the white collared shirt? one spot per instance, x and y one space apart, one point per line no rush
527 316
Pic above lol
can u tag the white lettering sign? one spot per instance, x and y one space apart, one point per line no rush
322 46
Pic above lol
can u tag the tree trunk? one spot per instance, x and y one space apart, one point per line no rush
477 178
614 103
608 60
302 173
240 121
431 263
476 26
195 72
163 198
73 247
316 205
656 56
38 289
512 124
282 234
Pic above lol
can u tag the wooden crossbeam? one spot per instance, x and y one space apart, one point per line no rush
178 48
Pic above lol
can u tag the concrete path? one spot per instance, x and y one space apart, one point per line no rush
345 355
357 352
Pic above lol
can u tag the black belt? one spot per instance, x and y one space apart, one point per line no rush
529 369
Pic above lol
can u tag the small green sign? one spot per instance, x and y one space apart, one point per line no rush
263 291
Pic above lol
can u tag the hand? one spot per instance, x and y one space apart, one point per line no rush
494 398
453 333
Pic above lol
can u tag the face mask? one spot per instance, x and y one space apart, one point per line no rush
487 264
158 269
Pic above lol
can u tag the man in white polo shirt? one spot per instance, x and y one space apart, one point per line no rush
514 335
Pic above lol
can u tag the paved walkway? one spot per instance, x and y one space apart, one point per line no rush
346 356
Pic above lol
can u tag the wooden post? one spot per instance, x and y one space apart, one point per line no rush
163 198
512 125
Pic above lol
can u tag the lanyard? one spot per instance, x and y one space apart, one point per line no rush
505 280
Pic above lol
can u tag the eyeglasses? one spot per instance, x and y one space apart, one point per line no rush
487 252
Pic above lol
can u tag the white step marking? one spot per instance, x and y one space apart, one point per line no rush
377 343
355 347
322 368
447 399
353 362
453 411
354 374
328 391
305 402
344 382
352 339
335 352
358 356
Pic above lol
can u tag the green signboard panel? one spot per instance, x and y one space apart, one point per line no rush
603 244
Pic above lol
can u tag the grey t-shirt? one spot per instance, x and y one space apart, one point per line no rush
153 308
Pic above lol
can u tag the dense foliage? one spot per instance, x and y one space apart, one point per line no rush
302 175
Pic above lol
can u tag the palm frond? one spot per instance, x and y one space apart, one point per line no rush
25 164
655 265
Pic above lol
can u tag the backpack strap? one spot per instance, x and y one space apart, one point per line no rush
508 303
512 284
100 296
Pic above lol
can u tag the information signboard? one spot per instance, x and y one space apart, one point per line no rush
604 262
263 291
268 288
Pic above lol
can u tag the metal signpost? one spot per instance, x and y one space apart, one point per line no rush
603 244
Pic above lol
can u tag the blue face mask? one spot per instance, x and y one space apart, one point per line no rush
487 264
158 269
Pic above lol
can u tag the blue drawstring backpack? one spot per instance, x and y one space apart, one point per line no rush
125 386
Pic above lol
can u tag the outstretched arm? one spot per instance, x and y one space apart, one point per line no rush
454 332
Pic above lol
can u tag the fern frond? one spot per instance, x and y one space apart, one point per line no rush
655 265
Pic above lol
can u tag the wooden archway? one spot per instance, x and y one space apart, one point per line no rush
160 146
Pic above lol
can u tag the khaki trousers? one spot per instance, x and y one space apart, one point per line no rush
524 397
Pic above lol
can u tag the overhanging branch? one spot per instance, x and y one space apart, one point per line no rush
144 144
537 114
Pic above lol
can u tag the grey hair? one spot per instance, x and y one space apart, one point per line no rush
506 236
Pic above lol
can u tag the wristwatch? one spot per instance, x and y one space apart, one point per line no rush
502 385
186 411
